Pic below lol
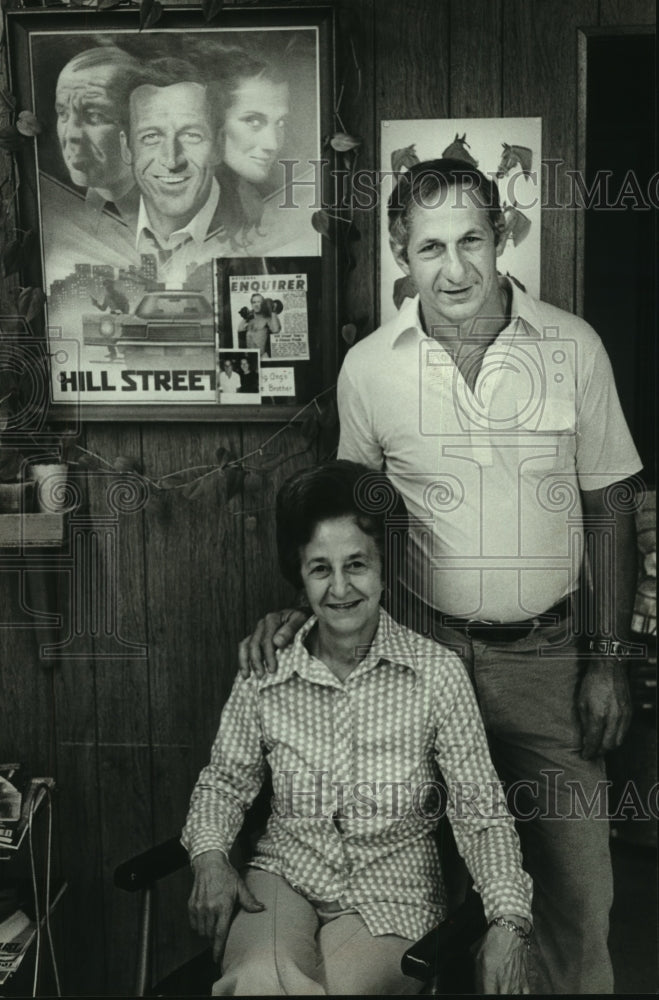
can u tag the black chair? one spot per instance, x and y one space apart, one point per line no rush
442 960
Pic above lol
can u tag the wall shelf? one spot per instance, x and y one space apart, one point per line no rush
21 530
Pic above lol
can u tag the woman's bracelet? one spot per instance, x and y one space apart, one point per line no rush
513 928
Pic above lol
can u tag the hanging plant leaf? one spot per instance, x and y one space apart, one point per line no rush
172 482
10 139
8 98
28 124
404 158
150 13
272 463
223 456
349 333
211 8
84 461
199 488
11 461
124 464
11 258
30 302
342 142
321 223
235 478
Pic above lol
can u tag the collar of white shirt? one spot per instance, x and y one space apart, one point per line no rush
523 308
196 229
391 646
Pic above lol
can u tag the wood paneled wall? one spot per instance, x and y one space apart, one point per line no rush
126 736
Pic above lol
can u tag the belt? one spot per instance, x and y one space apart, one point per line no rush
509 631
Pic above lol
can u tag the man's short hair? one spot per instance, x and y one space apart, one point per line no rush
167 71
429 184
332 490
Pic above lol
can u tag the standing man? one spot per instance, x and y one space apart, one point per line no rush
497 418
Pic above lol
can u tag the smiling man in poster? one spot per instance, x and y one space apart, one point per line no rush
172 144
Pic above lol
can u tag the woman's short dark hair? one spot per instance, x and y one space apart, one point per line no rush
332 490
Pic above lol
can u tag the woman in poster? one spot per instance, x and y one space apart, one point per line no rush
255 96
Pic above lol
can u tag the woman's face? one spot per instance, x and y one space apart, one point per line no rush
341 571
244 364
254 127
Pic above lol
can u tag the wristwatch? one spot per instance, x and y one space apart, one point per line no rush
612 649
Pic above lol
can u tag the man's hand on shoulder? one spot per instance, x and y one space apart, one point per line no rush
257 652
605 707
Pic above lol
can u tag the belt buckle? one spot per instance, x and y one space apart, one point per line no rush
478 622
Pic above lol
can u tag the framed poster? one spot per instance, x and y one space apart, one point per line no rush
162 153
507 150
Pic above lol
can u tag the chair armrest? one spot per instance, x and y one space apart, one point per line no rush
144 869
444 943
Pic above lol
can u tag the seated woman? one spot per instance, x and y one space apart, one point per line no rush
353 726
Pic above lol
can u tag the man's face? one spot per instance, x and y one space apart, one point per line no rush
88 127
254 128
173 150
451 258
257 303
228 367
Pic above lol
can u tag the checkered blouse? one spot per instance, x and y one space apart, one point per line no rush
356 783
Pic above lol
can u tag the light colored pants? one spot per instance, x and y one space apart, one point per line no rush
295 948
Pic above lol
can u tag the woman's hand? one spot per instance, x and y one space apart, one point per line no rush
256 653
217 886
502 963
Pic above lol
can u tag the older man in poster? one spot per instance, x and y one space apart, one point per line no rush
89 212
91 100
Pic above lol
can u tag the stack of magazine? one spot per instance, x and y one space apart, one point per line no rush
18 795
16 935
